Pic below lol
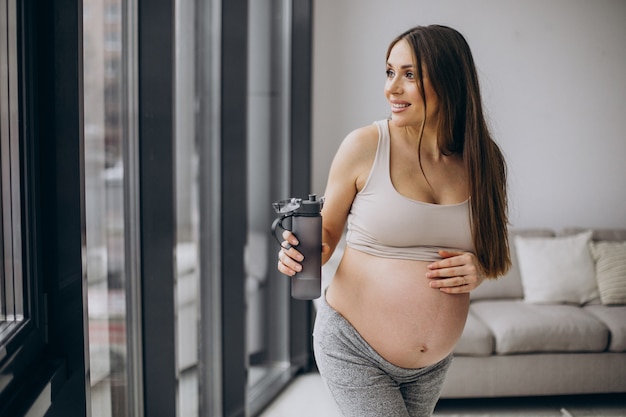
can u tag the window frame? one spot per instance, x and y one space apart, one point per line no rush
11 284
22 360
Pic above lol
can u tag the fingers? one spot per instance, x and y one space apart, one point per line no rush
456 273
457 266
451 259
448 254
467 282
290 239
288 257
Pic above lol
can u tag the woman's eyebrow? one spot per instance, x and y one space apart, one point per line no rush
401 67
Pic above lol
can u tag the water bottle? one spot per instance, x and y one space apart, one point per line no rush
306 224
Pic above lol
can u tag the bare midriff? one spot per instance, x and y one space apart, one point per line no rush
390 303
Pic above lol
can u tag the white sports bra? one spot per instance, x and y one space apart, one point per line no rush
384 223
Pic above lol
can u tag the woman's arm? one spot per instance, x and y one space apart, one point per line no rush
348 173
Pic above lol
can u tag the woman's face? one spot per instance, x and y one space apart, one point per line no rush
402 88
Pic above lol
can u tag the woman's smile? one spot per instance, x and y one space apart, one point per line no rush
397 106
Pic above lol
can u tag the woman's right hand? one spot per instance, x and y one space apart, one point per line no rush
288 257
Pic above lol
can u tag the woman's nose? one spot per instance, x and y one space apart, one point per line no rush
393 86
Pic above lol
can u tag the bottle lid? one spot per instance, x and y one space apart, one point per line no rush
310 206
286 206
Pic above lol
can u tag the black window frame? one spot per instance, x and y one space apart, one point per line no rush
44 369
24 361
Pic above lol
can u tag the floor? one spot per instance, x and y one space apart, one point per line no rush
308 397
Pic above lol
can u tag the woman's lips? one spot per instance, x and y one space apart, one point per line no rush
399 107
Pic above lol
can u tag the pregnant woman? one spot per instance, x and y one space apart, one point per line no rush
423 194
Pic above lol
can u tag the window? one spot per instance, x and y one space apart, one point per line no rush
112 41
112 12
267 293
110 225
22 314
11 284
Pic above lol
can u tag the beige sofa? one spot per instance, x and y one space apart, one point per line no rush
513 346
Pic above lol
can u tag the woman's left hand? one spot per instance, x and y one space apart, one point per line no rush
456 273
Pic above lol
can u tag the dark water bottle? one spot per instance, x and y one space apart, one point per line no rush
306 224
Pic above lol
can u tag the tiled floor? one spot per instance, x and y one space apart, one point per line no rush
308 397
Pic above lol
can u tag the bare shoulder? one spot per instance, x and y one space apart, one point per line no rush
363 140
355 156
359 146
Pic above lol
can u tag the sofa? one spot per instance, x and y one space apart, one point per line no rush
555 324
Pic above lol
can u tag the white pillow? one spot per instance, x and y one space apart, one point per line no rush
557 270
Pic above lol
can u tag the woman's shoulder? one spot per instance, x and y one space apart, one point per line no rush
364 139
356 153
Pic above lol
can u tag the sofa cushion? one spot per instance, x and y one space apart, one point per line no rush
557 270
476 339
509 285
614 317
610 258
520 327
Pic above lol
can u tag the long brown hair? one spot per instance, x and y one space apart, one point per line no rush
447 58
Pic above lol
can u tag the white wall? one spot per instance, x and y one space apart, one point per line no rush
553 76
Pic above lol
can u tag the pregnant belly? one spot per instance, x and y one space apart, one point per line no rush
390 304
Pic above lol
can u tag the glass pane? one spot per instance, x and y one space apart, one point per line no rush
104 205
11 285
187 208
267 293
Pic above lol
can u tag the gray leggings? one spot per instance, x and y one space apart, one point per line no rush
362 382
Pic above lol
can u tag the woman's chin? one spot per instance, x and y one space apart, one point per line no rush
400 120
397 119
